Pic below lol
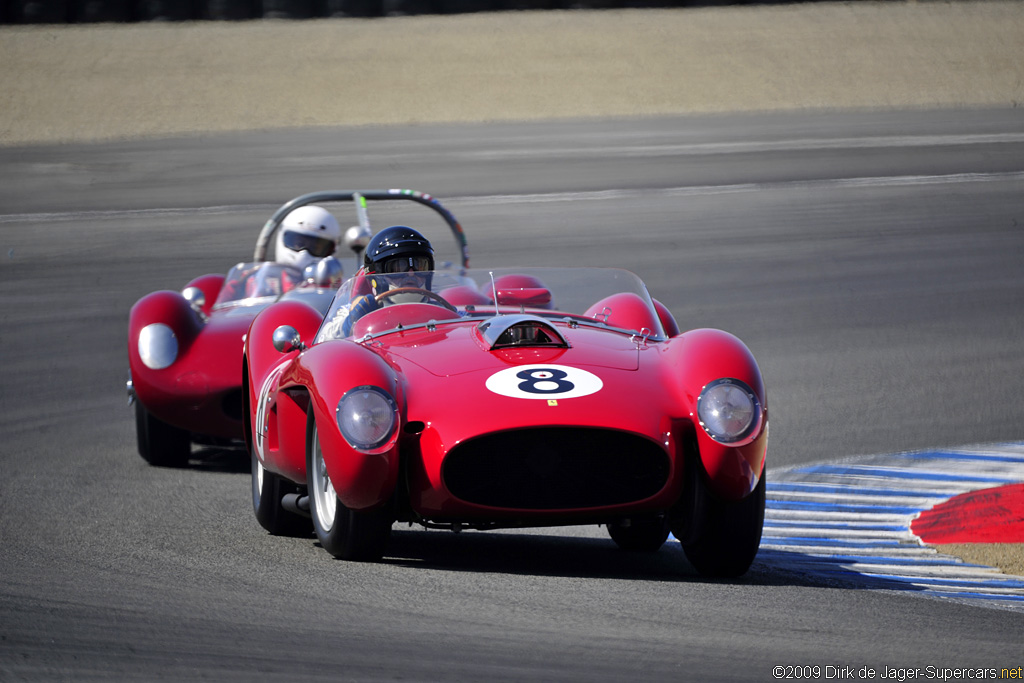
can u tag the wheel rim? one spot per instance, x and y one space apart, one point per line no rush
324 497
257 482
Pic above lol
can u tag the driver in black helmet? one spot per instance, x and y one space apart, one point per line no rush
405 257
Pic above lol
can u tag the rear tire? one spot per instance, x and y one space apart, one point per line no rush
160 444
268 490
721 537
644 534
346 534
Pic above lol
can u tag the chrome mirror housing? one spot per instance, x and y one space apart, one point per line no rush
195 298
357 237
286 338
327 272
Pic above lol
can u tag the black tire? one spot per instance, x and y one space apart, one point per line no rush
722 537
643 534
159 443
346 534
268 490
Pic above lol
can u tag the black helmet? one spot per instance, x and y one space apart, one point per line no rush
398 241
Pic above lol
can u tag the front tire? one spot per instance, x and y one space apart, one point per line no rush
268 490
160 444
721 537
347 534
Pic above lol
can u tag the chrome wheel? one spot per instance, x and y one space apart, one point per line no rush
347 534
326 500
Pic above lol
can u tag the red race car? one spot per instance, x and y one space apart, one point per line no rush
185 348
504 398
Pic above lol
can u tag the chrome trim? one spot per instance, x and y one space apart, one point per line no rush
756 421
158 346
492 329
286 338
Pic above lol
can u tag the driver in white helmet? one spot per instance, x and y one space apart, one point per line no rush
306 236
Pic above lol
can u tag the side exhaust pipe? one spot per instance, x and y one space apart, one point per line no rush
296 503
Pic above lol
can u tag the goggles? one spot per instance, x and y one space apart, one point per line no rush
403 264
316 246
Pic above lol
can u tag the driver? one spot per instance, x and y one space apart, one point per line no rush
405 257
307 235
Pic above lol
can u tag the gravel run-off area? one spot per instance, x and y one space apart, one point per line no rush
108 81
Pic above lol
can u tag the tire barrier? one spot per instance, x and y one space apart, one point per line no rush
121 11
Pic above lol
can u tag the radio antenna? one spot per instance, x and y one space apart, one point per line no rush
494 288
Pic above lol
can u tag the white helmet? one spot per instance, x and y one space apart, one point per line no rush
306 235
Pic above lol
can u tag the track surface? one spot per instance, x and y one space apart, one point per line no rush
874 263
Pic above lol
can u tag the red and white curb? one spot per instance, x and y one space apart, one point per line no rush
850 522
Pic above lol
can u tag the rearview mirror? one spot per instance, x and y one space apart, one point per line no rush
286 338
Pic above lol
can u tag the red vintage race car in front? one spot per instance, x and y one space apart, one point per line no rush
486 399
185 347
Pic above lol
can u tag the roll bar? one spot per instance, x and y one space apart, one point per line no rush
360 197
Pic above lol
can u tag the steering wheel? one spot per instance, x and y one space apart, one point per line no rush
415 290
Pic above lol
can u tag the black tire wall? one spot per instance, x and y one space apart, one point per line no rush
120 11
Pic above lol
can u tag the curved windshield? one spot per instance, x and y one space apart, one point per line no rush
250 282
604 297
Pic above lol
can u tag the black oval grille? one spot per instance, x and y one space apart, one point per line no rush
554 468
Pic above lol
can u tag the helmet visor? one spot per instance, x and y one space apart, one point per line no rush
316 246
403 264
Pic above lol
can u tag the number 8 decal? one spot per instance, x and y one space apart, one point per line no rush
544 382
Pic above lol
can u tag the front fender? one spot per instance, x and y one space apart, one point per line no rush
210 285
362 479
696 358
154 360
276 411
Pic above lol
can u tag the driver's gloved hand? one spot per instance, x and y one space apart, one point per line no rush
360 307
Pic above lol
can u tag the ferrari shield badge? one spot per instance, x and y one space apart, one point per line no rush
549 382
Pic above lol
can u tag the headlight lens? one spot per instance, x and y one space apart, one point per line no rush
728 410
158 347
367 417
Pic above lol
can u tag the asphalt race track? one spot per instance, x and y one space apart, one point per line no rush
873 262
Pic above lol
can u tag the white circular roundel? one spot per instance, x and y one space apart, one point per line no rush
544 381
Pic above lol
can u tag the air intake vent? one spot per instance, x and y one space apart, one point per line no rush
555 469
512 331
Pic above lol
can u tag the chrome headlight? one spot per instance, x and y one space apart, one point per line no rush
367 417
728 410
158 346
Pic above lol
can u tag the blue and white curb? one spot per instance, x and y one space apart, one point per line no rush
849 522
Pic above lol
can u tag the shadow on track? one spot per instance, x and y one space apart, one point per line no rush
540 554
219 459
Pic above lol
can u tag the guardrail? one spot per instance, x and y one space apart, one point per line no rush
120 11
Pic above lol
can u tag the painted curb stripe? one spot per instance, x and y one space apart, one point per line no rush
802 487
903 473
987 515
833 507
969 457
850 521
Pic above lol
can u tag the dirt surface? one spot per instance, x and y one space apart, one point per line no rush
94 82
102 82
1009 557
